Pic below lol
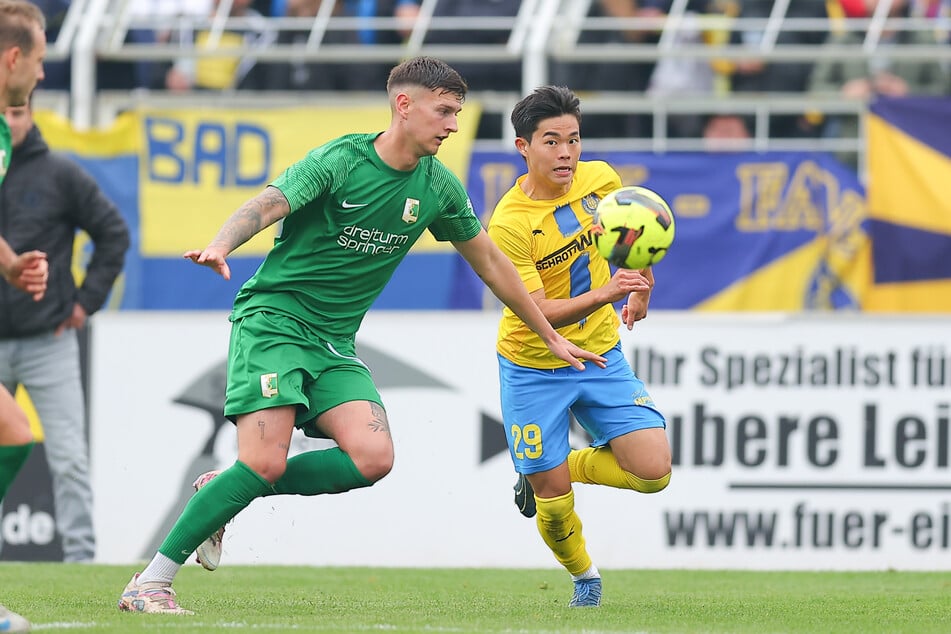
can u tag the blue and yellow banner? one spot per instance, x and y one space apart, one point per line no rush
909 150
177 175
758 232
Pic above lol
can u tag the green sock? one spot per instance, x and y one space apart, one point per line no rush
12 458
211 508
316 472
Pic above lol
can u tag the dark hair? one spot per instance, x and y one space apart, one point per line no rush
430 73
544 103
18 18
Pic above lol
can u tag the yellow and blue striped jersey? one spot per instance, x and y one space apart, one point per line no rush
551 243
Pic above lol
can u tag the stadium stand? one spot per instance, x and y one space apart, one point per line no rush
549 41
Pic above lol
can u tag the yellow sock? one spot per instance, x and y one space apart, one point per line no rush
597 465
560 527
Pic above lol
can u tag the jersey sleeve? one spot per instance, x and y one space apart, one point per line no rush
307 179
457 221
512 242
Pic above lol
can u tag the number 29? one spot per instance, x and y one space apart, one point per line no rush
527 441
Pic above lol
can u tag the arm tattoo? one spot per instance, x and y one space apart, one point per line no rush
261 427
379 422
261 211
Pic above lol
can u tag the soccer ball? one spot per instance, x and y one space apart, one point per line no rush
634 227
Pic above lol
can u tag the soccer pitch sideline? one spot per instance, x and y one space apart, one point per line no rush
83 598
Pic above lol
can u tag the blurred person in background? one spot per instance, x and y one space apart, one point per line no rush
705 23
328 75
506 76
110 74
22 49
292 361
753 75
864 78
538 224
481 75
726 132
44 200
373 74
170 17
225 72
615 76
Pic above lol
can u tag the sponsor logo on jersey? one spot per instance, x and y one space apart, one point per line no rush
349 205
567 252
371 241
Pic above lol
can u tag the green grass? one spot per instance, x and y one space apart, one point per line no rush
83 598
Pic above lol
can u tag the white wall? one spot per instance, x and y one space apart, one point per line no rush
866 447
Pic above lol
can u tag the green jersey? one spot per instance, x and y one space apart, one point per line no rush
6 147
353 219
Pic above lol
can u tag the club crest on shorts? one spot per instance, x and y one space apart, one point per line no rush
269 385
411 211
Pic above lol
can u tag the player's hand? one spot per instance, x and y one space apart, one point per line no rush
623 283
29 273
567 351
635 309
213 258
75 321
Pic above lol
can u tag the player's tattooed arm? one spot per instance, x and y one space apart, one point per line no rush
261 211
379 421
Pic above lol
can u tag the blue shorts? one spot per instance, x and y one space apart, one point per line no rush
607 402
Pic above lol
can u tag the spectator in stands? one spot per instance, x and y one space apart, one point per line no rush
47 198
224 73
879 74
675 76
480 75
183 13
726 131
629 77
320 75
308 75
756 76
110 74
273 8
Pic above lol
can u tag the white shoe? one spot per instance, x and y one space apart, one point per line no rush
12 622
151 598
208 552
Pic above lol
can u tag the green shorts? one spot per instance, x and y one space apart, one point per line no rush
274 361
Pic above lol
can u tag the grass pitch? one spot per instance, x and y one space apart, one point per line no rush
233 599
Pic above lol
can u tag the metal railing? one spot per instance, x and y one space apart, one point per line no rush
542 35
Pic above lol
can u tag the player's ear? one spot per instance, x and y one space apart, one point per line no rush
402 102
10 57
521 145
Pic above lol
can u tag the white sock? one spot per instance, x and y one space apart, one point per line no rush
590 573
161 569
